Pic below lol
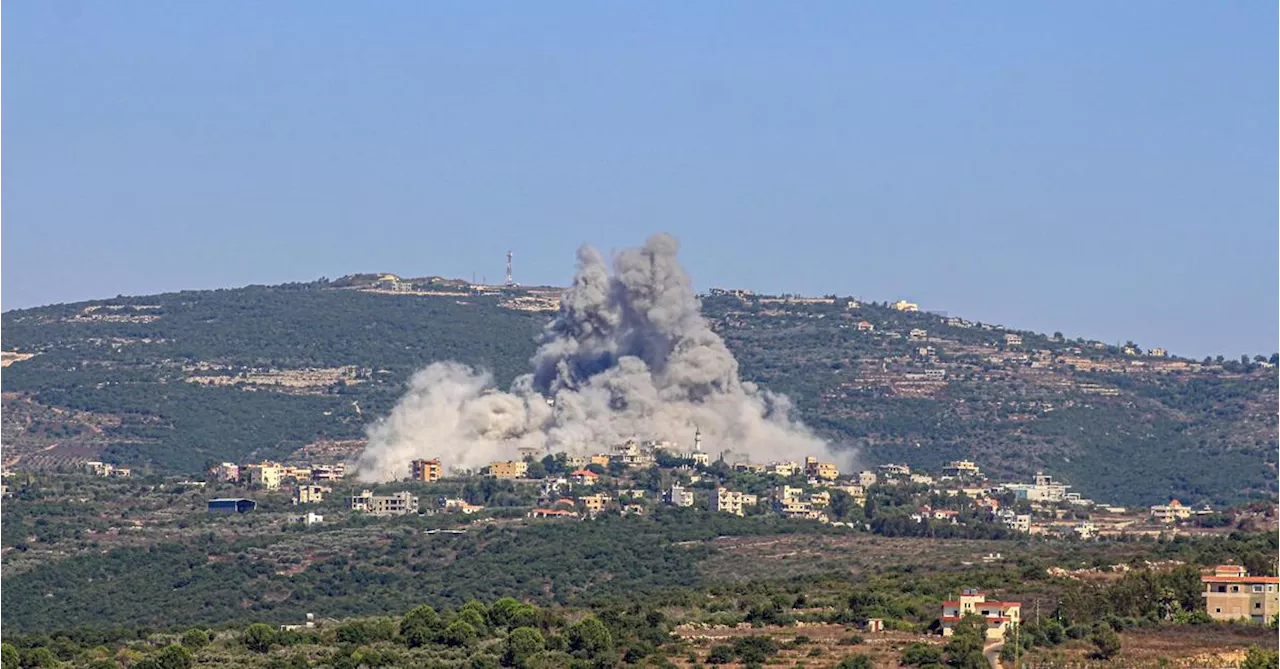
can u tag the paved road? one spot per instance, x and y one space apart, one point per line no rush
993 654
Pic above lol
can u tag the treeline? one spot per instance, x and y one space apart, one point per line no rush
213 581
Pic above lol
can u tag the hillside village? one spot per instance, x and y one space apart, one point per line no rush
957 500
96 382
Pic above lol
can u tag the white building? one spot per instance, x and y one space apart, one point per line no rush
678 496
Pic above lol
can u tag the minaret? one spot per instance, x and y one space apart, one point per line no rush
510 279
697 439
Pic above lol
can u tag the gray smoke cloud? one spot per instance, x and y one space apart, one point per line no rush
628 356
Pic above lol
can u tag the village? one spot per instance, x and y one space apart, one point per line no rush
633 477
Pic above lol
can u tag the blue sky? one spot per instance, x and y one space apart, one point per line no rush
1104 169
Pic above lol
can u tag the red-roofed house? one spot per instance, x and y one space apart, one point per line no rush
999 615
1171 512
583 477
1231 593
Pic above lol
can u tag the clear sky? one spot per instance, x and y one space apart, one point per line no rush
1106 169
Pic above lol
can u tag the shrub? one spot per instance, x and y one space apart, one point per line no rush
722 654
920 654
258 637
755 648
522 643
851 640
1106 641
172 657
855 662
195 638
590 636
458 633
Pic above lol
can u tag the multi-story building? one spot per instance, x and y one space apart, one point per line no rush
890 470
1171 512
1043 490
730 501
962 468
999 615
395 504
1157 353
595 503
601 459
583 477
105 469
903 305
511 469
826 471
1011 339
428 470
227 471
1231 593
632 454
264 475
866 479
678 496
308 493
1018 522
334 472
784 468
856 491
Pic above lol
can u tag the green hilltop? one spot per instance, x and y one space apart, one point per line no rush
174 382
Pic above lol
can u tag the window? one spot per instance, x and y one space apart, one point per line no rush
1217 610
1271 588
1235 588
1257 588
1257 605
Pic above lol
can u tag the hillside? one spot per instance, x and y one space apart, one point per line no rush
177 381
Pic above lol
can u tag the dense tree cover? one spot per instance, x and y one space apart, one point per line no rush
173 585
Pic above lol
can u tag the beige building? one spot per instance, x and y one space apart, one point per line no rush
962 468
999 615
784 468
512 469
595 503
396 504
308 493
730 501
428 470
903 305
827 471
1231 593
1171 512
266 475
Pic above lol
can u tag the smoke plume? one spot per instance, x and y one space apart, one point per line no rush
628 356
